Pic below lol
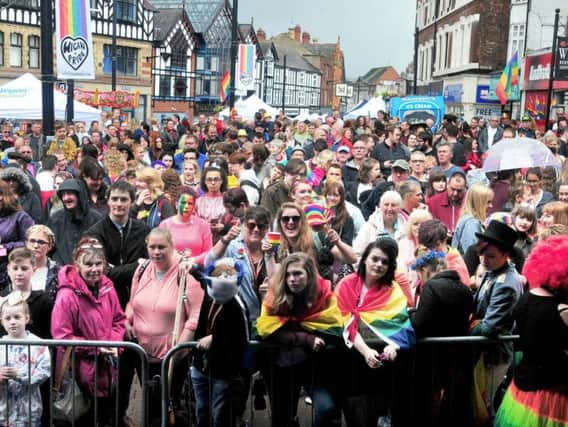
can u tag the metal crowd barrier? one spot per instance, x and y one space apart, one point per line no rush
306 413
443 346
53 345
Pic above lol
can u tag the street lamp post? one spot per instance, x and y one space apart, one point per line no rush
46 25
113 46
552 67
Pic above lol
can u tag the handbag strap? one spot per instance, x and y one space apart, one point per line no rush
60 373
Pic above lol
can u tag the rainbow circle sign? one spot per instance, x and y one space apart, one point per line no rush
74 41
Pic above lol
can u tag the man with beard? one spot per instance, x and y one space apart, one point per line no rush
72 221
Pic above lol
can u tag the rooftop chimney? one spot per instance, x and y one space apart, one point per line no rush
261 35
305 37
297 33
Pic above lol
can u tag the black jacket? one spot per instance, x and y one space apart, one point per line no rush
122 252
69 226
444 307
224 358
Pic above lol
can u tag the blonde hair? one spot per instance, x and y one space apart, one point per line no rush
305 242
558 210
417 216
324 159
152 178
195 166
475 203
39 228
114 162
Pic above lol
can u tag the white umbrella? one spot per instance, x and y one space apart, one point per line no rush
518 153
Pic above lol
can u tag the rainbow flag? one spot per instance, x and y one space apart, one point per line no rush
323 316
274 239
383 310
74 42
509 79
225 86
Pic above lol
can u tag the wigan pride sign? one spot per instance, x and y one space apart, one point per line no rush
562 59
74 41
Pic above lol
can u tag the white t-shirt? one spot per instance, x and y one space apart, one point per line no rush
45 180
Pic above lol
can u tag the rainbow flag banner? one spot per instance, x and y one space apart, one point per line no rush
245 68
74 40
323 316
383 310
509 79
225 86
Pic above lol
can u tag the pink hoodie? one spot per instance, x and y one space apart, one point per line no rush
78 315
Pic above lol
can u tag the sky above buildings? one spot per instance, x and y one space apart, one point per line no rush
373 33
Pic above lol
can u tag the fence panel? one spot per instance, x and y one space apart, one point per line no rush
27 392
441 390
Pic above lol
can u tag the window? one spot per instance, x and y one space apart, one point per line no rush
199 62
126 60
126 10
27 4
301 98
165 85
315 98
33 44
1 49
15 50
270 68
517 39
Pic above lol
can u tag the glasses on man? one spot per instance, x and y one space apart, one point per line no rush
287 218
253 225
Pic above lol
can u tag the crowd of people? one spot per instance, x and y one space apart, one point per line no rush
338 243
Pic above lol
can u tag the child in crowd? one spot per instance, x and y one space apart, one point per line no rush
524 219
22 368
222 336
277 149
21 266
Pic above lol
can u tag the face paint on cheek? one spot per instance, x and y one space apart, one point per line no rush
185 205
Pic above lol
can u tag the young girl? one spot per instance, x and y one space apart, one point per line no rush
524 219
22 368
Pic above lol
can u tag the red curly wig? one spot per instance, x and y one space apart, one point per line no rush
546 265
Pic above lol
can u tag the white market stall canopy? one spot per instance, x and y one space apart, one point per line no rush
368 109
21 99
246 108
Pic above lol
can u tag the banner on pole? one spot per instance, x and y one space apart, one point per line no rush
245 68
562 60
74 40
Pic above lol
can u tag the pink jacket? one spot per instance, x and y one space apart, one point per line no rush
78 315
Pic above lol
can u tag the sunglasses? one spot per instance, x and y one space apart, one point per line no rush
252 225
294 218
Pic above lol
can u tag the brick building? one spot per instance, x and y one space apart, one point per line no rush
460 44
327 58
378 81
20 46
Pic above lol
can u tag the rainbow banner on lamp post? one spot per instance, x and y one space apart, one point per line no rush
74 41
245 68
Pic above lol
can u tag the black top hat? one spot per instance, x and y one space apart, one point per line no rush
499 234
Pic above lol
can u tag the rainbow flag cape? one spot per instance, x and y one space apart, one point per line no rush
323 316
509 79
383 310
225 86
